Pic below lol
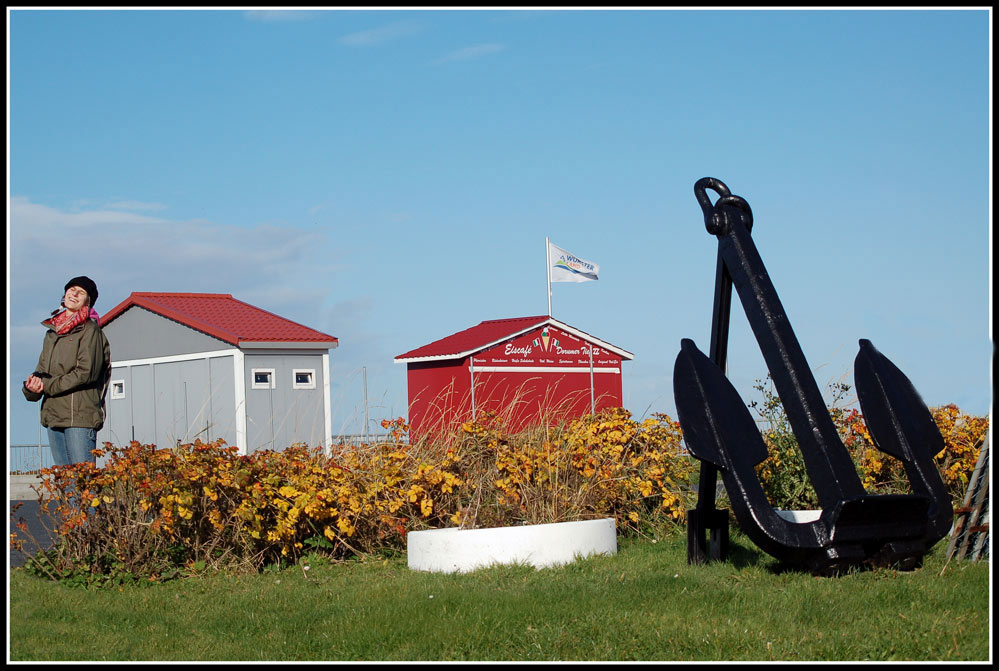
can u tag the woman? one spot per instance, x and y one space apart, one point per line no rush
72 375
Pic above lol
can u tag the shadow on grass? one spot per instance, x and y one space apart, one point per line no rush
744 554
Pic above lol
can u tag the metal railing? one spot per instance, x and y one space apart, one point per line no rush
33 457
29 458
362 438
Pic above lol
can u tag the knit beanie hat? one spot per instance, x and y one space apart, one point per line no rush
86 284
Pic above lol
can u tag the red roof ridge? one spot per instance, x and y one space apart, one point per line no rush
516 319
180 293
488 333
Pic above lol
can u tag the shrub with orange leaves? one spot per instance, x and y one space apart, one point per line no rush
963 436
145 513
638 471
786 482
602 465
157 513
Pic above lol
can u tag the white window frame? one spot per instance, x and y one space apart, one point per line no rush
114 389
311 384
272 377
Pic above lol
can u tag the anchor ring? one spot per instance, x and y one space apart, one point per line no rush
716 221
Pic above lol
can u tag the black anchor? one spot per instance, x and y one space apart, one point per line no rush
853 528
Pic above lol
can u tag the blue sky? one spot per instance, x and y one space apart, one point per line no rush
389 177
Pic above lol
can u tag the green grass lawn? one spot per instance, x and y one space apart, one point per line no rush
645 603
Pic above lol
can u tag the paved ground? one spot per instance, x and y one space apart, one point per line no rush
20 487
21 493
28 511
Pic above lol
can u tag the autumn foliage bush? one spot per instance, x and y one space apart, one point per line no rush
155 513
783 473
603 465
882 473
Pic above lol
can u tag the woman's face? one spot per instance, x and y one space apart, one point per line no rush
75 299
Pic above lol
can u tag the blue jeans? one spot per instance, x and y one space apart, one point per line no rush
72 445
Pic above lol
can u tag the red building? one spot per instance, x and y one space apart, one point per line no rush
526 369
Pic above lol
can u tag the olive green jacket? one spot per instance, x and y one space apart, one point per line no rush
75 368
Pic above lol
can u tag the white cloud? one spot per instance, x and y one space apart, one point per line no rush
41 218
125 252
376 36
470 53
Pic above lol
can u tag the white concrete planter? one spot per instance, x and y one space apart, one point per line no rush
800 516
540 545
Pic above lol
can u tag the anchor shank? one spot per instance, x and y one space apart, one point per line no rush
830 469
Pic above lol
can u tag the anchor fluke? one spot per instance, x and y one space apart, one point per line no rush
901 425
713 411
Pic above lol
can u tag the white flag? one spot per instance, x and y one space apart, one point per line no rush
565 267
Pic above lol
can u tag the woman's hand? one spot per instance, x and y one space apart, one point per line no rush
34 384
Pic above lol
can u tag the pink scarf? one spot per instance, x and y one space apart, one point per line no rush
66 321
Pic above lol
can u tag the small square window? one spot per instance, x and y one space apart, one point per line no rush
303 379
263 378
117 389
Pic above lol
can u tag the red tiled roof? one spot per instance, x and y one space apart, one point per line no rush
221 316
486 334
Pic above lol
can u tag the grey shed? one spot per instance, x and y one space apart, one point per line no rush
189 366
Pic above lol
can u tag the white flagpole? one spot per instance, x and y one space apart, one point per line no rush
548 265
471 375
593 410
